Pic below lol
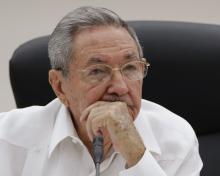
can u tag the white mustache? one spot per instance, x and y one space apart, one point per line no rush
113 98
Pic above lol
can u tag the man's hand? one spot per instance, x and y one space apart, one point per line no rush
118 121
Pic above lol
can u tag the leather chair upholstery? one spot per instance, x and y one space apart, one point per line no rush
184 77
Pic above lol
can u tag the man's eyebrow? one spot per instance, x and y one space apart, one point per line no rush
94 60
131 56
100 60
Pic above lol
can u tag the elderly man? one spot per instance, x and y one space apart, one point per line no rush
97 74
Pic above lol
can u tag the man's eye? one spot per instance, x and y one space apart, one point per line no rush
96 71
130 67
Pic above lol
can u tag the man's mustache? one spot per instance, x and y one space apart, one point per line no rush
114 97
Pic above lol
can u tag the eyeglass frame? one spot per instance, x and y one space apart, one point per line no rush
142 60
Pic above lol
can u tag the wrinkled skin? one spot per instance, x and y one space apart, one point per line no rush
109 107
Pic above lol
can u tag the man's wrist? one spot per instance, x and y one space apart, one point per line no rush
135 157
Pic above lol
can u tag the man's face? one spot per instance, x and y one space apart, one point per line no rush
102 45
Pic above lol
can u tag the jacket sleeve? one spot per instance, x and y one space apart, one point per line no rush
146 166
12 159
190 165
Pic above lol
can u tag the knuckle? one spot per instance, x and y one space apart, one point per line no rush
121 105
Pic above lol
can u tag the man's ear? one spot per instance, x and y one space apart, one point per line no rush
57 82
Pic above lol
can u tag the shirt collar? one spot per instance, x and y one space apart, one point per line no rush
143 127
63 128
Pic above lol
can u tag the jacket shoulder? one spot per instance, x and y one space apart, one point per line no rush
24 127
170 129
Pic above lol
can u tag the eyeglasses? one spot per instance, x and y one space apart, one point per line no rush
99 73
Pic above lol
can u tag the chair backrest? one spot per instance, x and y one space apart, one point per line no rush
184 75
185 70
28 68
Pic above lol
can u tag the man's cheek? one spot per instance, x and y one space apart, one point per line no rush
93 96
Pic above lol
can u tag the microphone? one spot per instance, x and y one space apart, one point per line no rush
98 152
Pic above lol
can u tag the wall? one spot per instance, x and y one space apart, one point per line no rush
26 19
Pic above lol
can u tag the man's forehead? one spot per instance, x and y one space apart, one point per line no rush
103 36
106 42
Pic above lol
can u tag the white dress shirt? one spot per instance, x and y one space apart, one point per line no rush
42 141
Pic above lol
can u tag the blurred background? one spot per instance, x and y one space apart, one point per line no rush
23 20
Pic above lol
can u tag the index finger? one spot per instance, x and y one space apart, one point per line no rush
86 112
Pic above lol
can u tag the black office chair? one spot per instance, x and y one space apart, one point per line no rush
184 77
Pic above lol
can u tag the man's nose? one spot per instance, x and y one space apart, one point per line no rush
117 84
